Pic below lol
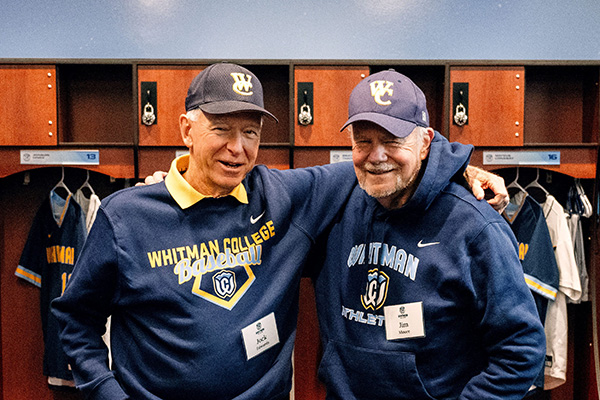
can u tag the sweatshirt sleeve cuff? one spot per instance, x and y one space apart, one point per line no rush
107 389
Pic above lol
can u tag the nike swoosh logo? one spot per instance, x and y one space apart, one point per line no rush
421 244
254 220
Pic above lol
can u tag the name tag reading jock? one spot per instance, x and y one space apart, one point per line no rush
260 336
404 321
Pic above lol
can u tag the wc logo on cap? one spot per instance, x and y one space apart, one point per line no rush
242 84
381 88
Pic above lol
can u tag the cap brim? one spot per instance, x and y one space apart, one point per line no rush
232 106
396 126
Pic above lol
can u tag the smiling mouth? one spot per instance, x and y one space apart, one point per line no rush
230 165
379 171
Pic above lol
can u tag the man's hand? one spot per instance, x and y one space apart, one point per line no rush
156 177
479 180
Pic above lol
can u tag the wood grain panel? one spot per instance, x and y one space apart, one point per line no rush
307 350
28 105
311 157
496 106
332 87
274 157
172 83
155 159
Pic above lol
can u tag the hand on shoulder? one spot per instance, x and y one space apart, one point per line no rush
156 177
479 180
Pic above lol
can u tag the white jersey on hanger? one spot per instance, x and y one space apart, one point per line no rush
90 206
574 222
556 324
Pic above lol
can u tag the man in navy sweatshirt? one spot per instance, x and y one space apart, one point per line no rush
201 272
420 291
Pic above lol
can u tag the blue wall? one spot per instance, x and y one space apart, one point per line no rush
308 29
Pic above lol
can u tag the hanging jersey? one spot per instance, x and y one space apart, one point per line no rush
562 243
556 324
89 206
54 242
535 248
574 223
527 221
578 206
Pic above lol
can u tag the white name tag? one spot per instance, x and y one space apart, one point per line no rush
260 336
404 321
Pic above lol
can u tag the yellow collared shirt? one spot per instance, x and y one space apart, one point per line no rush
184 194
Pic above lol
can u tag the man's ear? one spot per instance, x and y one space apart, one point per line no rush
185 124
427 139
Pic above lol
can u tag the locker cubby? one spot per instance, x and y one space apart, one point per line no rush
276 82
561 105
95 104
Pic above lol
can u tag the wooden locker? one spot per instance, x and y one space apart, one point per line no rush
495 109
172 83
331 90
28 105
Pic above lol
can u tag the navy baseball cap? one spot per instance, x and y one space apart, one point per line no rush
225 88
390 100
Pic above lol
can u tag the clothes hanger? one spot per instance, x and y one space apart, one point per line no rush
61 185
86 185
582 197
513 188
574 203
537 191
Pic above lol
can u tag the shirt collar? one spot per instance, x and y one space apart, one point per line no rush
184 194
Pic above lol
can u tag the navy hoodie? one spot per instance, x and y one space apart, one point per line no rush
427 301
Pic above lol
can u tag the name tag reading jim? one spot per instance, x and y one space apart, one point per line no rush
404 321
260 336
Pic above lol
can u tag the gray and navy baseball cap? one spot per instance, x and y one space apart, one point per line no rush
225 88
390 100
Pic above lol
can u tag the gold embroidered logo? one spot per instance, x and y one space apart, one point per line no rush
242 84
381 88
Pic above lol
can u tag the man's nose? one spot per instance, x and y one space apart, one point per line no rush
378 153
235 143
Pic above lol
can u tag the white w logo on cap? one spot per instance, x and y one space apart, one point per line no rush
242 85
379 88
